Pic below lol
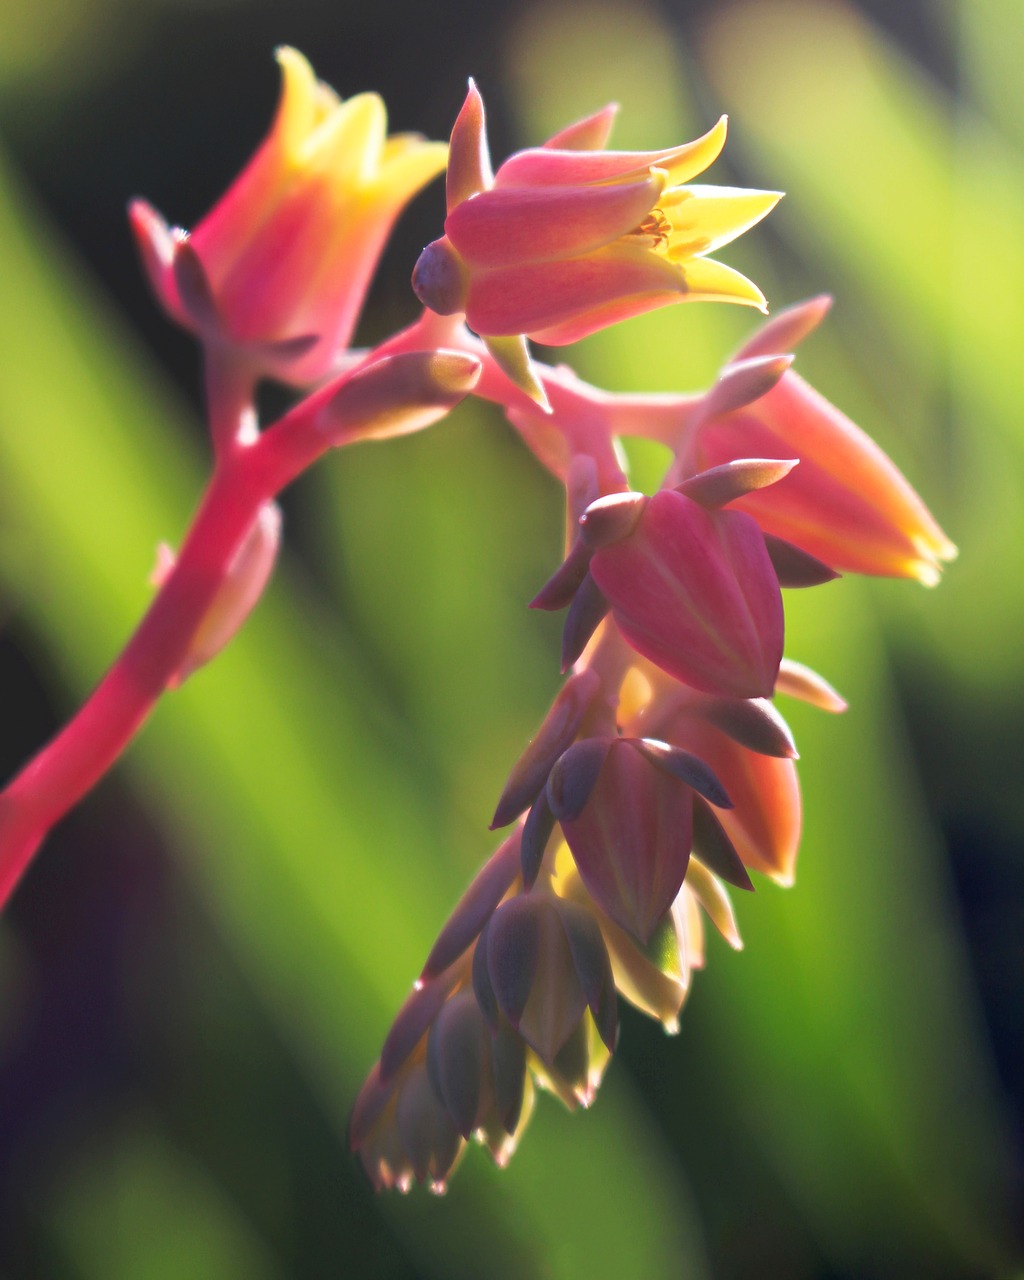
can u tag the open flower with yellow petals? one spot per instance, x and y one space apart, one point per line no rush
568 238
280 266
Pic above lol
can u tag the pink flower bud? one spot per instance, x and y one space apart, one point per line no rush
694 591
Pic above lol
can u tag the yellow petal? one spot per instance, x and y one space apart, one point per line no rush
350 141
694 157
703 218
708 281
404 170
297 106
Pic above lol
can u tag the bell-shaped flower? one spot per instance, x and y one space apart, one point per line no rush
402 1132
847 504
568 238
694 590
280 266
541 963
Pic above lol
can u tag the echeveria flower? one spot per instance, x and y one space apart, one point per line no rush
281 264
568 238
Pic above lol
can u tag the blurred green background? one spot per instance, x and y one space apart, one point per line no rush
200 967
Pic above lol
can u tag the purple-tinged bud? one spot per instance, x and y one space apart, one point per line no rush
508 1061
754 723
586 613
459 1061
440 279
798 681
195 291
795 567
545 968
429 1136
686 767
556 733
537 829
593 968
719 485
475 907
563 584
631 842
574 776
612 518
715 849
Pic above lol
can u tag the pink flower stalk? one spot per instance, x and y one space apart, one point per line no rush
568 238
279 268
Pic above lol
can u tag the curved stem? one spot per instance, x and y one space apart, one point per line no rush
248 475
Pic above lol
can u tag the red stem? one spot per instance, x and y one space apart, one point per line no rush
247 476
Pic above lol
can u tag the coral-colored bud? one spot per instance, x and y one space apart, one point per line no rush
631 841
695 592
763 826
846 504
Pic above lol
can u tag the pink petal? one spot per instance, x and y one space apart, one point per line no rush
621 279
533 224
695 592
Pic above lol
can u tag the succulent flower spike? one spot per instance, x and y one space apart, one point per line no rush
280 266
563 241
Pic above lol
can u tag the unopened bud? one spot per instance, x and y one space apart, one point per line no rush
439 279
743 382
612 518
399 394
719 485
